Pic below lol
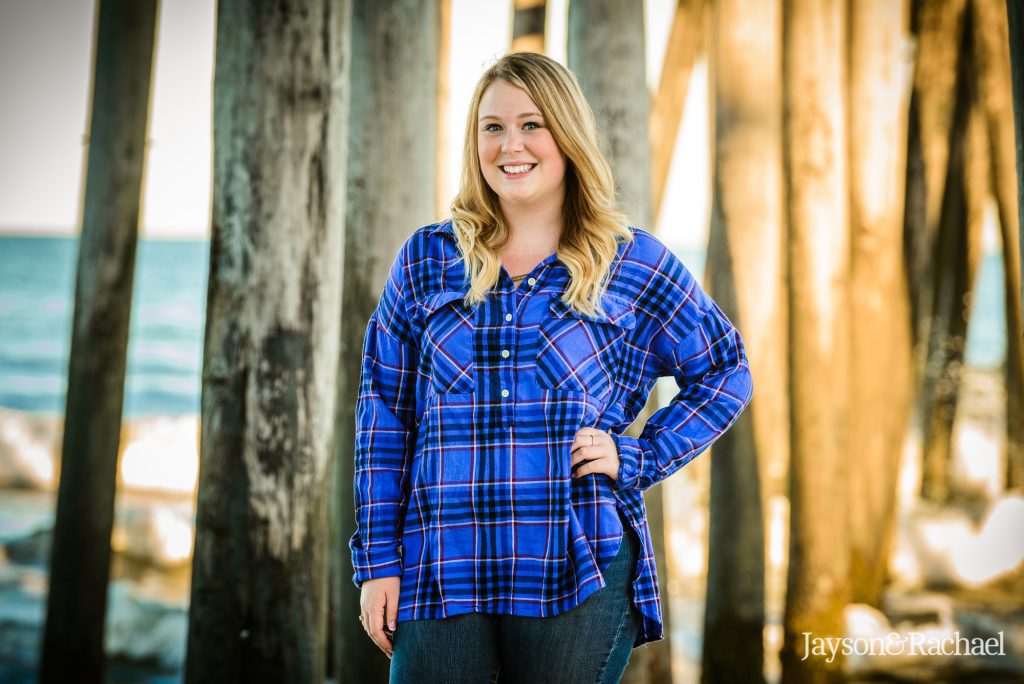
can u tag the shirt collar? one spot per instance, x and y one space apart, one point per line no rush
443 227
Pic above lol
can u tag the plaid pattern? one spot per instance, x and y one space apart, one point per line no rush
465 418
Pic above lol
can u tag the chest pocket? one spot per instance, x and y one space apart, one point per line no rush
583 353
447 349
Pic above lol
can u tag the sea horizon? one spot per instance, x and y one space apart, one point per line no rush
168 316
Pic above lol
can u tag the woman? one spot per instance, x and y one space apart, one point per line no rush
500 520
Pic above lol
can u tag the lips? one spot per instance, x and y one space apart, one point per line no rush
516 169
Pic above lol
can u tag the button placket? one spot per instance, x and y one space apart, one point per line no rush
507 339
513 333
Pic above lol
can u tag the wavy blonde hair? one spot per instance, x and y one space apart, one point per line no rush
592 226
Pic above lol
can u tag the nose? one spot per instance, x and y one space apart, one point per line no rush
513 140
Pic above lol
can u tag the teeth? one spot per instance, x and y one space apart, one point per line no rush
517 169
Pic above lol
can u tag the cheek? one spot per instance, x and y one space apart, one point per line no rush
485 150
552 152
559 162
485 158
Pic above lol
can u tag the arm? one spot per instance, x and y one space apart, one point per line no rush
385 435
710 367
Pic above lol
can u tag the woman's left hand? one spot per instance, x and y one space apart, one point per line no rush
594 451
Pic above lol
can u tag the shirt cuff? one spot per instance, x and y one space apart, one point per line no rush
385 562
630 454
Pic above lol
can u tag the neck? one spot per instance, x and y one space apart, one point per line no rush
536 224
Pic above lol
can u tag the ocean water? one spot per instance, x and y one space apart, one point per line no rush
37 279
37 276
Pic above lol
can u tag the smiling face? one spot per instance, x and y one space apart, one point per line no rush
518 155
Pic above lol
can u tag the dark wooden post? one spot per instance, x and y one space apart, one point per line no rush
270 358
606 52
80 558
391 192
528 25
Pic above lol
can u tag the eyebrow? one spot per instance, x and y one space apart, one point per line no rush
521 116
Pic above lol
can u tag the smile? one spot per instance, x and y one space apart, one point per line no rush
518 169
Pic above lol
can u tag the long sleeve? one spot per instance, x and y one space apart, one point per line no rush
385 435
710 368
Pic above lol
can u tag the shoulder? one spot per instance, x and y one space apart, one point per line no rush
415 270
645 245
647 253
423 258
432 241
655 278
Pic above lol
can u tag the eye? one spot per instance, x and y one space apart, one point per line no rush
532 125
491 127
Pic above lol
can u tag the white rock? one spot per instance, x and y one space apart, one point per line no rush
158 534
141 629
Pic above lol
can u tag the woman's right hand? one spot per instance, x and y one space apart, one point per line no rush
378 606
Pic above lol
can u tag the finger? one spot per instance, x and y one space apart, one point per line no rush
590 453
584 459
582 451
581 454
381 639
379 626
377 640
588 466
602 464
392 616
582 438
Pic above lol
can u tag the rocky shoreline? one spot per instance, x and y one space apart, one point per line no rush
933 590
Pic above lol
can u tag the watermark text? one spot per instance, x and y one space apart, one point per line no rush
903 644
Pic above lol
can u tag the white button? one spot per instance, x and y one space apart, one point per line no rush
504 393
508 317
504 353
532 281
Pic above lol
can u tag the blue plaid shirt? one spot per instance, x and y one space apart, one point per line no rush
465 418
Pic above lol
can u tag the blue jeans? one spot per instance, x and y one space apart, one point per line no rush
589 643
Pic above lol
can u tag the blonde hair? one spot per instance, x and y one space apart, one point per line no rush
592 226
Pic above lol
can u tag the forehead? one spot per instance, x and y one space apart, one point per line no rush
502 99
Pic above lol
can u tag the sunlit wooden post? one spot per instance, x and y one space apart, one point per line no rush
996 100
391 192
814 153
606 52
259 573
746 272
685 43
880 335
1015 21
76 607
